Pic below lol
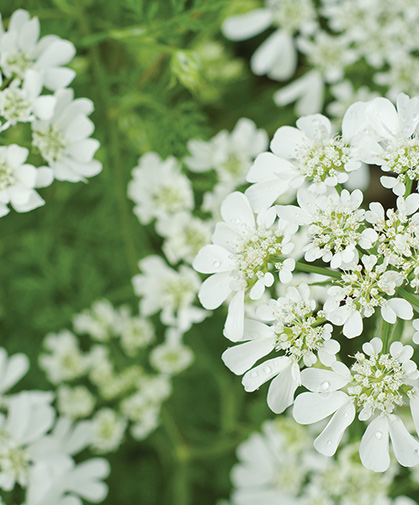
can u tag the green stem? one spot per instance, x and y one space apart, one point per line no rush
410 297
311 269
386 330
408 190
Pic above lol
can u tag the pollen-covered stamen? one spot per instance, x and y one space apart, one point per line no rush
254 254
14 462
7 177
402 157
336 229
51 142
324 159
378 382
15 106
365 287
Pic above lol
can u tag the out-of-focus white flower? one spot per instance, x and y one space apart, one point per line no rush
18 180
171 357
277 55
170 291
65 361
108 429
100 321
64 139
75 402
22 50
159 189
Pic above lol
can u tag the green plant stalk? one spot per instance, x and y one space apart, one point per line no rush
312 269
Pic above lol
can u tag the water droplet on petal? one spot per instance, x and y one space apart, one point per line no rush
416 451
324 386
345 414
378 435
267 369
216 264
236 221
253 373
329 442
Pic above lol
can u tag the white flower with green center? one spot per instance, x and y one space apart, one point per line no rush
108 429
307 155
75 402
65 361
22 50
360 291
277 55
100 322
22 103
377 383
335 226
64 139
135 333
243 257
159 189
229 154
398 235
173 292
294 331
18 180
393 140
185 235
171 357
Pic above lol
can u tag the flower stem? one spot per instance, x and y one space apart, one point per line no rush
408 190
410 297
386 330
312 269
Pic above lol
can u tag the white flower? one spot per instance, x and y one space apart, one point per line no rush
108 429
277 56
296 332
306 154
170 291
171 357
64 139
99 322
377 382
22 50
360 291
243 252
66 361
135 334
22 103
334 224
12 369
75 401
159 189
184 234
393 142
229 154
18 180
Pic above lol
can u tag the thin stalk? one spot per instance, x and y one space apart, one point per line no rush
311 269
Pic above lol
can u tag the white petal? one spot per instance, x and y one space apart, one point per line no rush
320 381
373 449
233 328
243 356
247 25
327 442
214 290
282 388
254 378
312 407
405 447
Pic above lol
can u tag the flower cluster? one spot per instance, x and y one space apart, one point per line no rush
37 449
34 90
277 465
335 40
119 379
370 279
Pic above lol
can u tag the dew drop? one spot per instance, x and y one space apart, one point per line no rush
316 122
216 264
236 221
415 117
253 373
267 369
329 442
416 451
345 414
378 435
324 386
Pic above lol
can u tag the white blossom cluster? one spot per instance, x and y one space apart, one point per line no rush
34 90
37 448
121 376
339 337
165 195
374 38
277 465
